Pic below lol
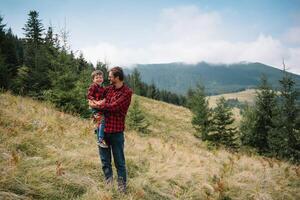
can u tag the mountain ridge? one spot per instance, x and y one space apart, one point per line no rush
178 77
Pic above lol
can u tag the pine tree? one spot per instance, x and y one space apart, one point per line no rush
21 83
81 63
264 113
136 119
198 105
2 31
152 92
4 71
81 92
33 37
135 81
222 130
284 138
10 58
3 66
247 125
36 58
49 39
34 29
63 81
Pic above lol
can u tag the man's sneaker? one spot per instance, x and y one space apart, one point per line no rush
109 183
102 144
122 186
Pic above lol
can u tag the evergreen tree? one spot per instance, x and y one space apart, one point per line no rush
264 113
33 39
136 118
222 130
135 81
34 29
2 33
63 80
80 90
153 92
50 43
10 59
198 105
21 83
49 38
4 71
284 138
247 124
36 58
3 66
82 63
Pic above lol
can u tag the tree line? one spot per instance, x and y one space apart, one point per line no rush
42 66
271 125
151 91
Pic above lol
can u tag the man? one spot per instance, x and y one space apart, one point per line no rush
115 106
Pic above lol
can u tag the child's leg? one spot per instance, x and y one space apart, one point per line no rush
101 141
96 118
101 130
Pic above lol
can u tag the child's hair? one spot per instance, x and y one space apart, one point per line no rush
95 73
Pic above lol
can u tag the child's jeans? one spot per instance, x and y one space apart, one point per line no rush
100 129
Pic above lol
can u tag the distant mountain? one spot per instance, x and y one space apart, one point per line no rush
217 78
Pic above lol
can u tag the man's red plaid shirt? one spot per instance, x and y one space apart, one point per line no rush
116 105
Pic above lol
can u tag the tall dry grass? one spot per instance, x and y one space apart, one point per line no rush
47 154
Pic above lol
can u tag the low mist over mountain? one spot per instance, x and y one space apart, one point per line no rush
217 78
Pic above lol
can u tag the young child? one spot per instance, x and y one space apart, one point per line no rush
95 94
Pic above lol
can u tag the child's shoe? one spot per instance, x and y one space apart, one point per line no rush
102 144
97 118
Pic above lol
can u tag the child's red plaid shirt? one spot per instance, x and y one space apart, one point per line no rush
95 92
115 108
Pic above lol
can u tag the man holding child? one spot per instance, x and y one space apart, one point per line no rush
117 98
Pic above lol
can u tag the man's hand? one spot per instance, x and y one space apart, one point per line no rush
92 104
100 102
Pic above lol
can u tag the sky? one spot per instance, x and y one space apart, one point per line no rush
129 32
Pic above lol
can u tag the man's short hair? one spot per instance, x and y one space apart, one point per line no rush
117 71
96 72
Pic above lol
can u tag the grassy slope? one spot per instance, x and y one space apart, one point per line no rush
246 96
169 163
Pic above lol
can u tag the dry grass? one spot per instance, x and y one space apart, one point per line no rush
247 96
244 96
46 154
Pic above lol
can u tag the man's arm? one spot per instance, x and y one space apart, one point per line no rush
121 104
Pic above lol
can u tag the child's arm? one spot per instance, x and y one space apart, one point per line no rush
90 93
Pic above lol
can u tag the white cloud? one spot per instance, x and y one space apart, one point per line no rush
292 36
190 35
188 24
293 63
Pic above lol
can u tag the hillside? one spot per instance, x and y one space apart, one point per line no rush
217 78
168 163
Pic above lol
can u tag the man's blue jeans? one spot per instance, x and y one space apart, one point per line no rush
115 143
